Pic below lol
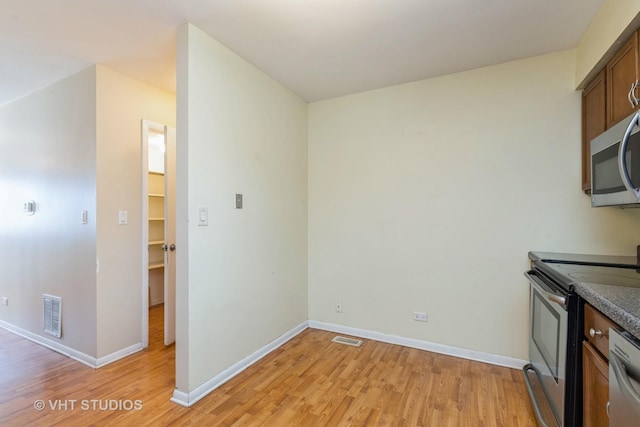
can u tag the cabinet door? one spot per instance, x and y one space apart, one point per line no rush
594 122
595 387
622 72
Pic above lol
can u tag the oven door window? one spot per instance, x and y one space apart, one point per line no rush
545 324
606 175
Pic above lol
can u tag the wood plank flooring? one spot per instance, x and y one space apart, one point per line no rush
309 381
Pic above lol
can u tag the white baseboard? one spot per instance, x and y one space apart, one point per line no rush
479 356
188 399
50 344
181 398
83 358
117 355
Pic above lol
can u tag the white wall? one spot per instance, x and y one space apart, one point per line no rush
239 131
427 196
122 102
612 23
47 141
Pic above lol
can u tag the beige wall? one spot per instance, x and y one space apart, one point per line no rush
612 23
427 196
122 102
67 146
48 155
239 131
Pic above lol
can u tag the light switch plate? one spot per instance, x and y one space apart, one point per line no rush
122 217
203 216
29 207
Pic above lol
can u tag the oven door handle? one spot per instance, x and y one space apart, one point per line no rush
622 157
626 388
539 286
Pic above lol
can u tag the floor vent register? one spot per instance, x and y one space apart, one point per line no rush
52 307
347 341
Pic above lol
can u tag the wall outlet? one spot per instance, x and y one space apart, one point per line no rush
5 301
338 306
420 317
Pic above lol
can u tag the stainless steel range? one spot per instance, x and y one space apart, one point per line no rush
553 376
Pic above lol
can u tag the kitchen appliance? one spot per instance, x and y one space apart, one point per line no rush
624 379
552 377
554 374
615 165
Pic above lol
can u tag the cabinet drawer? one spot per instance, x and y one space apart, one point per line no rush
600 324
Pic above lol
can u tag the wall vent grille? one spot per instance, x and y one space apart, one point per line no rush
347 341
52 315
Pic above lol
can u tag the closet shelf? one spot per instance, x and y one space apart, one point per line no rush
156 265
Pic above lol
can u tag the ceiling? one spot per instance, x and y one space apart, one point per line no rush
317 48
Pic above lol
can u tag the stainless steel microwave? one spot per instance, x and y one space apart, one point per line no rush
615 165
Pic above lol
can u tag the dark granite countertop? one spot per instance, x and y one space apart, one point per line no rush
620 303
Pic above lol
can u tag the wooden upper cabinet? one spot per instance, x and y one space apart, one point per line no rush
605 100
594 122
621 73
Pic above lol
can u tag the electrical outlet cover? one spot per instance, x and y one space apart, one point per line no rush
420 317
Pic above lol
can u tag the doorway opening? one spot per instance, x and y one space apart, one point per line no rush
158 231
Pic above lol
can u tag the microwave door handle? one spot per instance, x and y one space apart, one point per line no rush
632 94
622 157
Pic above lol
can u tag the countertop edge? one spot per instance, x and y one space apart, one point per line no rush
627 320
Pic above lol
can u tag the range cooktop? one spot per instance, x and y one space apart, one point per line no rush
568 274
568 269
604 260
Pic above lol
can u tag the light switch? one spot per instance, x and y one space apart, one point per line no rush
122 217
29 207
238 201
84 217
203 216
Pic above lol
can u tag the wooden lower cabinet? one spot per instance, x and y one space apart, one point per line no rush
595 392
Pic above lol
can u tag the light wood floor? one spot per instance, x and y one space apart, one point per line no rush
307 382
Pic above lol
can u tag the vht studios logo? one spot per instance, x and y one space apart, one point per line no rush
88 405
